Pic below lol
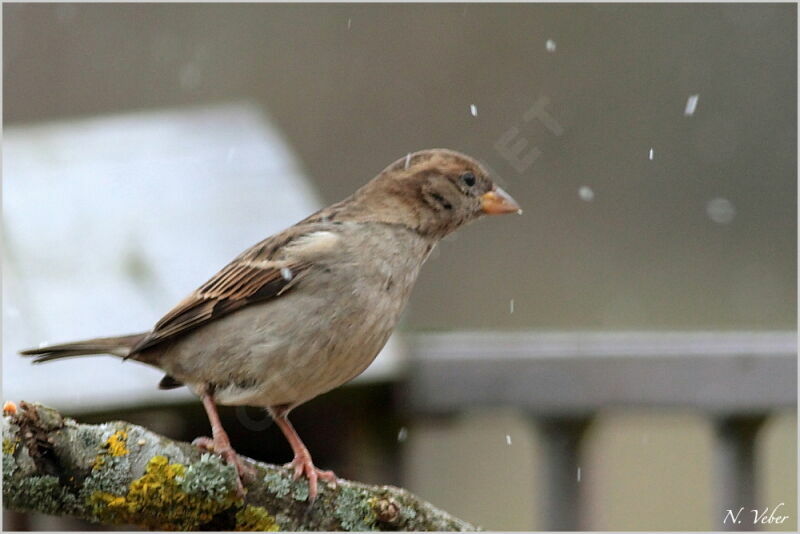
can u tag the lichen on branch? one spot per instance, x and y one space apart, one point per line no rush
118 473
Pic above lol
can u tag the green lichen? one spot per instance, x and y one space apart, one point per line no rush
353 510
9 466
38 493
86 436
157 500
9 446
255 519
110 474
209 477
278 484
281 485
407 513
300 492
111 467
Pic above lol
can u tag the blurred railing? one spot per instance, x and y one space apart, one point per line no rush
738 379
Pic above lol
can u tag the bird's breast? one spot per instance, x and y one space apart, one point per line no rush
323 333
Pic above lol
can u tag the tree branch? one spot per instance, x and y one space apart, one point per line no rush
118 473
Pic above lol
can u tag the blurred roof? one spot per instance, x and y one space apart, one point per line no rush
110 221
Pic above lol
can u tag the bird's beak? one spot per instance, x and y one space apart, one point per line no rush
498 202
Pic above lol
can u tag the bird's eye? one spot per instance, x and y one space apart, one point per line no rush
468 178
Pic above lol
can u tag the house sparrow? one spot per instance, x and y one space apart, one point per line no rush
309 308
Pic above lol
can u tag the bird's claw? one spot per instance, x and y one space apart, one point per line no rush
303 466
204 442
243 471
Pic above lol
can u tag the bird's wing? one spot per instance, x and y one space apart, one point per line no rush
265 271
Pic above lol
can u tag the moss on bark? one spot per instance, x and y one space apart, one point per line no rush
117 473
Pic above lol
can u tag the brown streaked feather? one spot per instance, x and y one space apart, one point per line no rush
245 286
254 276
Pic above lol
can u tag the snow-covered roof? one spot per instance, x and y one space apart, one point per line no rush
110 221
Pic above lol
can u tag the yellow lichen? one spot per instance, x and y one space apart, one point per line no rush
9 446
99 462
116 443
255 519
155 500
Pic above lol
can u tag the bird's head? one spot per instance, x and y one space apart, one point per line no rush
436 191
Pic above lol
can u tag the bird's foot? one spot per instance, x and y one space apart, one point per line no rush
303 466
204 442
243 471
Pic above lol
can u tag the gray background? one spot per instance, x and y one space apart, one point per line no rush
643 254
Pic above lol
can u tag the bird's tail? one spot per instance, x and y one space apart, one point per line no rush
117 346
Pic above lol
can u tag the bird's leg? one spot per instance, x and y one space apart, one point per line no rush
301 463
220 443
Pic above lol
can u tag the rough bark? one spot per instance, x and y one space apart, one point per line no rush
119 473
